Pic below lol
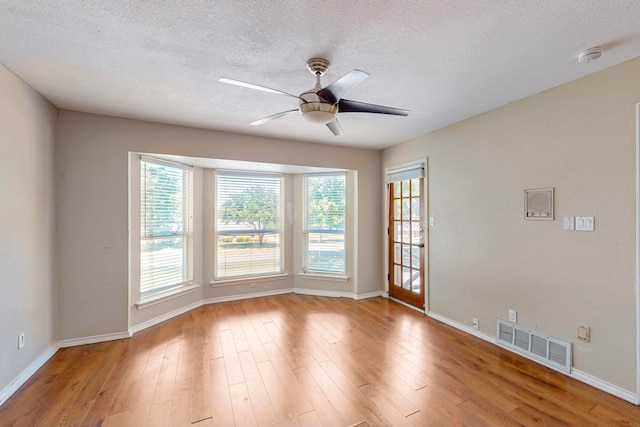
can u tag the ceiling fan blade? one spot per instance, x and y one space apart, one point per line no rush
335 127
254 86
334 91
272 117
348 106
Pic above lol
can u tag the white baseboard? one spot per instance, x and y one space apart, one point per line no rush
22 378
93 339
575 373
337 294
462 327
152 322
246 296
605 386
369 295
319 293
216 300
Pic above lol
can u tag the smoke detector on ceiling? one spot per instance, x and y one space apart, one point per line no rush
589 55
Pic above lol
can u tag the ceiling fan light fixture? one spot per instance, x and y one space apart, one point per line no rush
319 112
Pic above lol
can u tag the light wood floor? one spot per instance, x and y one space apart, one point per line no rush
308 361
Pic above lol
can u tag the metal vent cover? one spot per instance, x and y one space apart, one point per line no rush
540 347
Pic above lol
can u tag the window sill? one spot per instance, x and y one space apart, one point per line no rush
326 277
245 280
154 299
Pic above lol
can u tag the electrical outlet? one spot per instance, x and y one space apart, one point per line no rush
20 340
584 333
513 316
476 324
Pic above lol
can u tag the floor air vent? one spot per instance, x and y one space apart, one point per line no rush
546 350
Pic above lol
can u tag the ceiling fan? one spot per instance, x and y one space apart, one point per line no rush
322 105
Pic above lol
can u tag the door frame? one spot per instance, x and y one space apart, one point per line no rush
637 396
425 207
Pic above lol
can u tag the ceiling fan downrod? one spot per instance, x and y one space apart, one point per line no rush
317 67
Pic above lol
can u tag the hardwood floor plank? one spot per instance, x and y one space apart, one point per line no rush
181 403
324 409
243 414
369 408
310 419
292 360
201 405
264 413
220 399
605 415
231 360
67 395
252 338
160 414
142 398
340 402
167 376
117 420
286 377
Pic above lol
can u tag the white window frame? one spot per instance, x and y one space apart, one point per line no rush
305 228
160 292
223 280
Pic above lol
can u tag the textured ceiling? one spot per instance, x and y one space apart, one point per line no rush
444 60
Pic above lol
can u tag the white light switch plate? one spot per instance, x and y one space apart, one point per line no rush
584 223
569 223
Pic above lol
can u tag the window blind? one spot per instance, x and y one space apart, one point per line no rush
248 224
166 220
408 173
325 223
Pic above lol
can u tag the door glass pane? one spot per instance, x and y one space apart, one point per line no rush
415 187
415 233
405 209
415 257
415 286
396 190
397 209
405 189
415 209
397 275
397 233
397 253
406 278
406 232
406 255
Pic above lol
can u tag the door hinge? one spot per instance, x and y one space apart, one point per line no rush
388 277
388 231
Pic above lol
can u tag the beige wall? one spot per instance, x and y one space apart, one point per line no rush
27 272
485 258
92 189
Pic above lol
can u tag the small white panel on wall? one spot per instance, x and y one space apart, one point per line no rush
569 223
538 204
584 223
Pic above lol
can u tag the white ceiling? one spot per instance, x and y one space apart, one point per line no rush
444 60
